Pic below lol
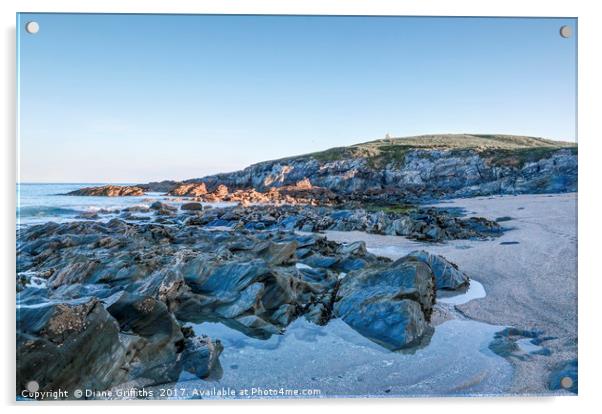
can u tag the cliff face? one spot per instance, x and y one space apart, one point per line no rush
427 166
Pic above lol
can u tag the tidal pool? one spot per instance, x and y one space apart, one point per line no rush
334 360
475 291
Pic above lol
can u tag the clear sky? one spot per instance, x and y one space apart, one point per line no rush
133 98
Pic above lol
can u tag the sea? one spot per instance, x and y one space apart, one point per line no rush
39 203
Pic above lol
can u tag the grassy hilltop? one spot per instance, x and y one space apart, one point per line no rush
500 149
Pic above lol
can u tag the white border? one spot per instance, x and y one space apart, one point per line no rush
590 152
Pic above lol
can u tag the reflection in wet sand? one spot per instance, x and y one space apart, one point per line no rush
338 361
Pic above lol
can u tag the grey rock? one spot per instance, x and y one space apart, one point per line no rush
108 191
201 357
447 275
158 335
391 306
192 206
162 207
137 280
70 345
422 167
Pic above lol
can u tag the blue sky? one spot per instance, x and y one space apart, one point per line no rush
133 98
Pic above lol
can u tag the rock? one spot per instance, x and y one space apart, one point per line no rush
201 357
160 342
317 314
248 299
285 314
164 186
108 191
447 275
358 247
70 345
433 232
281 253
430 224
241 289
505 343
221 191
303 184
223 280
136 209
418 168
88 215
192 207
255 326
143 278
191 190
159 206
391 306
402 226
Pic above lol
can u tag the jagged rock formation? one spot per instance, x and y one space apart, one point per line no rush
426 224
391 170
421 167
104 303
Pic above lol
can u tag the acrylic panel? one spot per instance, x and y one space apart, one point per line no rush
262 206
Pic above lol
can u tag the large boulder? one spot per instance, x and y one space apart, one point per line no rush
75 344
391 306
447 275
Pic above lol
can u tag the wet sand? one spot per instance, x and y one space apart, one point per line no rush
336 361
529 273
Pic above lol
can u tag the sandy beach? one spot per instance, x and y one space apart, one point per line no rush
529 273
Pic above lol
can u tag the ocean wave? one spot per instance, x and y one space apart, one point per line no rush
44 211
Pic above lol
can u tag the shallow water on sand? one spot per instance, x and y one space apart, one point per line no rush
335 360
474 291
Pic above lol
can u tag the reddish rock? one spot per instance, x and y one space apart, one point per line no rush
192 190
109 191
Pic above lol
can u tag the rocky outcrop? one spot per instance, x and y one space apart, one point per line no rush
97 344
301 192
389 170
103 303
421 168
426 224
109 191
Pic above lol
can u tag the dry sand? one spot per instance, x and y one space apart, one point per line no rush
530 283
